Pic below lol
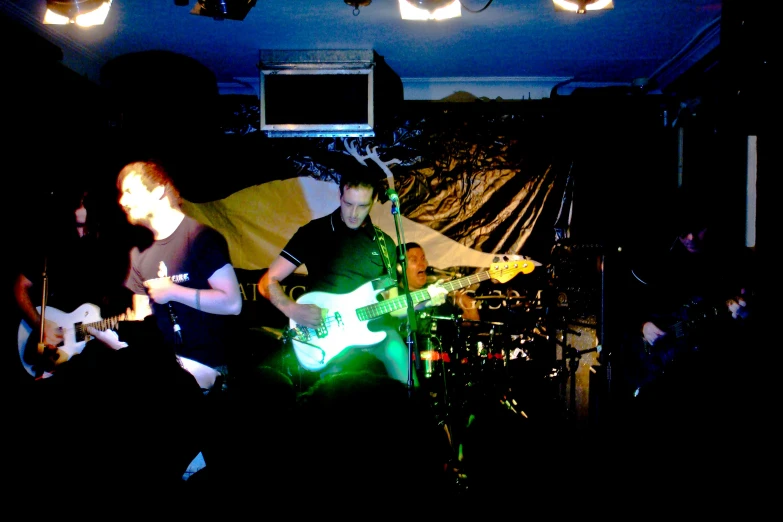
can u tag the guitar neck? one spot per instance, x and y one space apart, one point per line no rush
109 323
418 296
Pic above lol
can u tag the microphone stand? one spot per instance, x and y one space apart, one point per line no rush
41 346
411 328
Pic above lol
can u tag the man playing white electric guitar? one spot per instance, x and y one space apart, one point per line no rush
67 267
345 256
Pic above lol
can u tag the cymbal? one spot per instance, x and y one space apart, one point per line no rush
479 322
499 298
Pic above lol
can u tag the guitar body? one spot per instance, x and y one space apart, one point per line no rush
74 339
342 327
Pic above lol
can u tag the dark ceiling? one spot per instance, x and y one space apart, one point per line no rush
509 42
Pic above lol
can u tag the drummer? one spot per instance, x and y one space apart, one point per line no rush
436 327
458 303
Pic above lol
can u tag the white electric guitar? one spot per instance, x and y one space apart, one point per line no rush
345 325
75 336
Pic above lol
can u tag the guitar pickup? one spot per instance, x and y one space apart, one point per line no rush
79 333
302 333
322 331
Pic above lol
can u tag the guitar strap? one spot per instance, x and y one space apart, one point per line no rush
379 238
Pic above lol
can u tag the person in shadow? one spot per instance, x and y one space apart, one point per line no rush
689 380
363 439
248 442
119 422
72 272
692 310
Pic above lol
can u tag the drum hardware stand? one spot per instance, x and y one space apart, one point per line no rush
575 387
574 356
285 338
568 360
568 363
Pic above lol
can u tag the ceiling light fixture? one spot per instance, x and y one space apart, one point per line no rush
84 13
582 6
430 9
356 4
223 9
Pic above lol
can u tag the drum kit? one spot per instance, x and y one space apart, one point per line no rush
521 357
467 363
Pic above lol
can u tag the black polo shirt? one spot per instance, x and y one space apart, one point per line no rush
338 259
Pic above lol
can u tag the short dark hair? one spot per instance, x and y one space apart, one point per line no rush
359 175
408 246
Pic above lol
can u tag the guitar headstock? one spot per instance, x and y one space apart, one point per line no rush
504 268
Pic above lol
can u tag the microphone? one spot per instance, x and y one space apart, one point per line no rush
174 322
393 197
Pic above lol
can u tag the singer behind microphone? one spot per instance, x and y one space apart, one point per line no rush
184 278
420 274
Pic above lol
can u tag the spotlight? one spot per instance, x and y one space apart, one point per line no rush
582 6
84 13
430 9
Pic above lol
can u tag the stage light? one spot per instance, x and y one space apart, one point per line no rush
84 13
223 9
430 9
582 6
356 4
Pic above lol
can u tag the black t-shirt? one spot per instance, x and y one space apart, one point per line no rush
189 257
339 259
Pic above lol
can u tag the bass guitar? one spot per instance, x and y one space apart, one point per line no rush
346 325
683 330
41 361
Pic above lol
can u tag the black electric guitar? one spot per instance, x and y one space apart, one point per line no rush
41 361
346 322
684 332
